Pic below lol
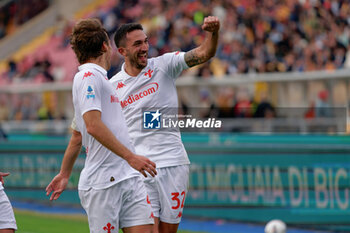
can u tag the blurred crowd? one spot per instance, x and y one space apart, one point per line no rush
16 12
30 106
256 36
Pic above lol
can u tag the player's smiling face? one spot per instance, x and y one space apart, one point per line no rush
137 48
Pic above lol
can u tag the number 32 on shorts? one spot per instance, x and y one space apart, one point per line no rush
175 197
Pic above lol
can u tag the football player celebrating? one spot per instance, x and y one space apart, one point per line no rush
150 83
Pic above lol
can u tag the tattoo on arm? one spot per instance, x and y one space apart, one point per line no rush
192 58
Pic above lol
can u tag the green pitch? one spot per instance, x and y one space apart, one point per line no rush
33 222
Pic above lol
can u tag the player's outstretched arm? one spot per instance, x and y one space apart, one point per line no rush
96 128
207 49
60 181
3 174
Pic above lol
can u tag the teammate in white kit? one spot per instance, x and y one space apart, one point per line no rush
150 83
7 218
110 188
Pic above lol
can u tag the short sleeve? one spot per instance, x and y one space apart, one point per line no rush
89 94
173 63
73 125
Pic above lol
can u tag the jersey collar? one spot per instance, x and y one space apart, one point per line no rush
93 66
129 76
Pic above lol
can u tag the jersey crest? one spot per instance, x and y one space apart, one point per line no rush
149 73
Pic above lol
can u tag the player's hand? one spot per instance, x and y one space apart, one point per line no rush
143 165
57 185
2 174
211 24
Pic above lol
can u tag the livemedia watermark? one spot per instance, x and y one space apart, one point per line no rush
169 120
245 120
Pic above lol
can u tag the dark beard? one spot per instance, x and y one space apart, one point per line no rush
139 66
134 63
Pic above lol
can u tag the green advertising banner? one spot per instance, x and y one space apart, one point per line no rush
252 178
302 188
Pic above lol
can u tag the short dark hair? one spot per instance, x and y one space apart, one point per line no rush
87 39
120 35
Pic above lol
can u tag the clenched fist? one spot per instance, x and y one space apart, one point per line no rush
211 24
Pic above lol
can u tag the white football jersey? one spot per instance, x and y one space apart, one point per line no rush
1 187
93 91
154 87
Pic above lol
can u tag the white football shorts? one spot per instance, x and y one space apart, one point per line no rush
7 218
167 192
121 205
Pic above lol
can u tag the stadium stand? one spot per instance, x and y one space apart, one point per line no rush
256 37
272 54
14 13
